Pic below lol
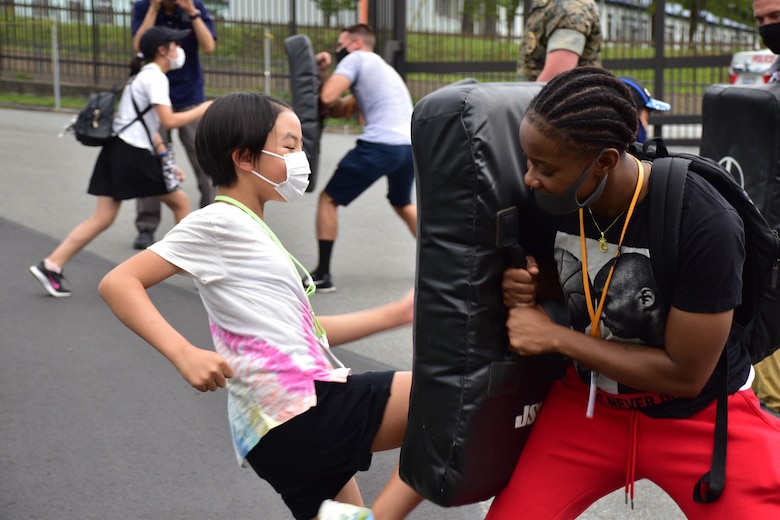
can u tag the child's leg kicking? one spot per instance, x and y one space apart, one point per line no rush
397 499
350 493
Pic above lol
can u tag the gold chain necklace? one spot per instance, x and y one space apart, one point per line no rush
603 246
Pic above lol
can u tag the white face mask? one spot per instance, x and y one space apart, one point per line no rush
298 171
178 61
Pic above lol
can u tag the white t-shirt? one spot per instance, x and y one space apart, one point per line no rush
260 318
381 95
149 86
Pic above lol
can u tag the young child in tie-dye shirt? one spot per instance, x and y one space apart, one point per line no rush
297 415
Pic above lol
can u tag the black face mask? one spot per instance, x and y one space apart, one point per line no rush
341 54
567 202
770 35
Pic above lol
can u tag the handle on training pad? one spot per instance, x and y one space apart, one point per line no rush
507 226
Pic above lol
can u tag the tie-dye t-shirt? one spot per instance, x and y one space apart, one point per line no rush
259 315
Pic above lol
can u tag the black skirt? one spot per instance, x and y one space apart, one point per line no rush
126 172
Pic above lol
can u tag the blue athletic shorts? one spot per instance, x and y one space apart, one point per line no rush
365 164
312 456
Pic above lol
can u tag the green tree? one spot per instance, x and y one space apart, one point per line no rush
483 11
511 7
467 17
696 8
740 11
217 8
490 18
331 8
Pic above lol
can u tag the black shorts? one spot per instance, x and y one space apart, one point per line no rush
126 172
312 456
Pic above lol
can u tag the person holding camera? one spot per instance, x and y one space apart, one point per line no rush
187 90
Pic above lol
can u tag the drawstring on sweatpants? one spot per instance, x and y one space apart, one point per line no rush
594 384
631 466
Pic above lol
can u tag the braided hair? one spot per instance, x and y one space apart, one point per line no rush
588 108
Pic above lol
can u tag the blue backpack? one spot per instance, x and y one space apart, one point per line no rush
756 323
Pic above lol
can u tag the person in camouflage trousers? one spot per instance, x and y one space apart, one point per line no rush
767 381
559 35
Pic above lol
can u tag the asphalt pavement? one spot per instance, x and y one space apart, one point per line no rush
95 424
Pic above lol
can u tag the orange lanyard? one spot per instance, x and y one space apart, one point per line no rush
595 314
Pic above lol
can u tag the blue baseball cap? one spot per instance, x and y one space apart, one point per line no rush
642 96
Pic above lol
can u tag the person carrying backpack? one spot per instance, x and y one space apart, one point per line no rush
647 365
130 165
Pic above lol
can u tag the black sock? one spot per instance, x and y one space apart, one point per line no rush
326 249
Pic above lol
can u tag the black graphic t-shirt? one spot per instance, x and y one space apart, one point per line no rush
635 311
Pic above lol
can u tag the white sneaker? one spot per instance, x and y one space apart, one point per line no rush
332 510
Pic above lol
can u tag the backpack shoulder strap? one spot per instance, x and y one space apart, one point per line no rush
667 189
139 115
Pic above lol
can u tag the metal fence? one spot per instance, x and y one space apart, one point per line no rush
431 42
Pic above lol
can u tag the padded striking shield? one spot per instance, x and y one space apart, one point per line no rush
473 402
305 84
741 130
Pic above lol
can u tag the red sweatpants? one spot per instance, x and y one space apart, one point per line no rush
570 461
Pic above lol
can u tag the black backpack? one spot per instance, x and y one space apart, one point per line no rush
756 323
94 124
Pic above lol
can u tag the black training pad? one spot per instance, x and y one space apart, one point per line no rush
741 130
468 390
305 84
